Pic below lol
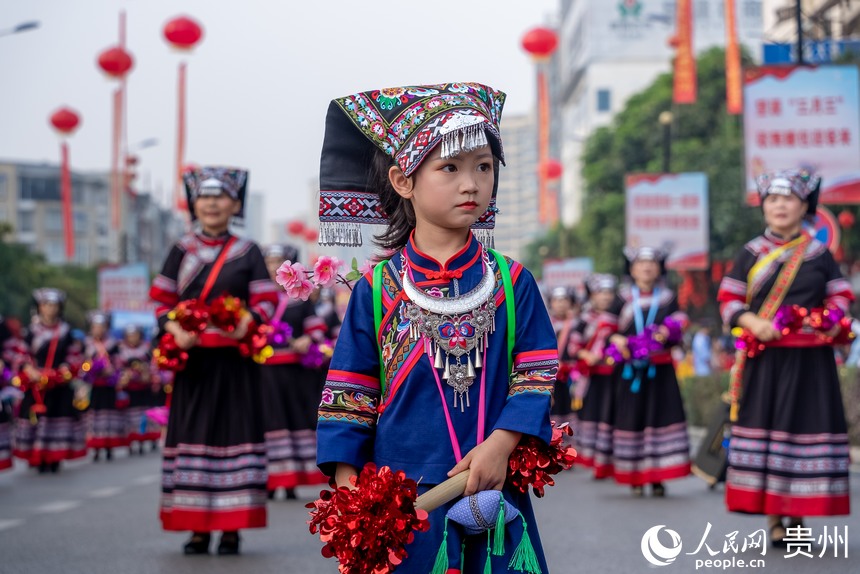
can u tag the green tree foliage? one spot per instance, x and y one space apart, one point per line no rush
24 271
704 138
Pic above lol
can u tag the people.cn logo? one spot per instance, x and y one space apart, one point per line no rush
655 552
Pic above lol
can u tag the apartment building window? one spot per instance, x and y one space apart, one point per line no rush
81 223
26 221
39 189
53 219
752 9
4 187
604 103
55 251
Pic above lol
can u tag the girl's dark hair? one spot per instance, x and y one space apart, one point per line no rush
401 216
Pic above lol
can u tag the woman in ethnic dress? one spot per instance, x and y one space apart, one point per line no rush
107 429
214 471
585 347
788 455
292 389
649 438
49 428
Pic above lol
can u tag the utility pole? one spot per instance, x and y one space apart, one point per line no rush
798 16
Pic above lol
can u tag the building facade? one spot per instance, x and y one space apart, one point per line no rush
30 203
517 223
609 51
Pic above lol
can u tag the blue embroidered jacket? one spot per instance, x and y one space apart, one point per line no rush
406 428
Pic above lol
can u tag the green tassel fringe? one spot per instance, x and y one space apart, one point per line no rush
488 566
525 559
499 538
441 564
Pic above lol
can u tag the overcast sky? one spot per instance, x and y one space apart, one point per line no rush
258 83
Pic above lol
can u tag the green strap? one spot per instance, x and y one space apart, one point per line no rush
377 319
510 307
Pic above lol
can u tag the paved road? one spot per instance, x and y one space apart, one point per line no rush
101 518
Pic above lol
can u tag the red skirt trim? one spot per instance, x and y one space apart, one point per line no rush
5 463
136 436
650 476
207 521
583 460
38 456
107 442
758 502
604 470
294 479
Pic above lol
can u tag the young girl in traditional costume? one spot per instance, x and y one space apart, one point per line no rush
788 455
106 425
649 436
214 471
585 349
447 382
291 388
49 428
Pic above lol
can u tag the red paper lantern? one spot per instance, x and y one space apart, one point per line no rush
540 42
311 234
65 120
295 228
846 219
183 32
115 62
552 169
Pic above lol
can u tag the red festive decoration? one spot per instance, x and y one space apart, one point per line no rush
183 32
846 219
368 528
552 169
116 62
311 234
295 227
191 314
65 120
533 461
226 312
540 42
168 356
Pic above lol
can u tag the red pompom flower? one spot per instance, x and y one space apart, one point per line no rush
367 528
191 315
226 312
533 461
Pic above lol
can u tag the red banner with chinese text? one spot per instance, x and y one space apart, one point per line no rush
684 88
734 83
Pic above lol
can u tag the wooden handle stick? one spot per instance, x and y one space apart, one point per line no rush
444 492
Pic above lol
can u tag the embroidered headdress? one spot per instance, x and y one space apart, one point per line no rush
48 295
97 317
645 253
282 252
800 182
405 123
214 181
597 282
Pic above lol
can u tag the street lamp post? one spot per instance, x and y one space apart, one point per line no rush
22 27
665 119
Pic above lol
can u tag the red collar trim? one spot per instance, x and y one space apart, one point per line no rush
443 272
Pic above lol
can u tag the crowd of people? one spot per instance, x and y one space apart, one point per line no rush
448 356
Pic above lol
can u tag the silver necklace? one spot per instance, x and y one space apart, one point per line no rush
454 327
